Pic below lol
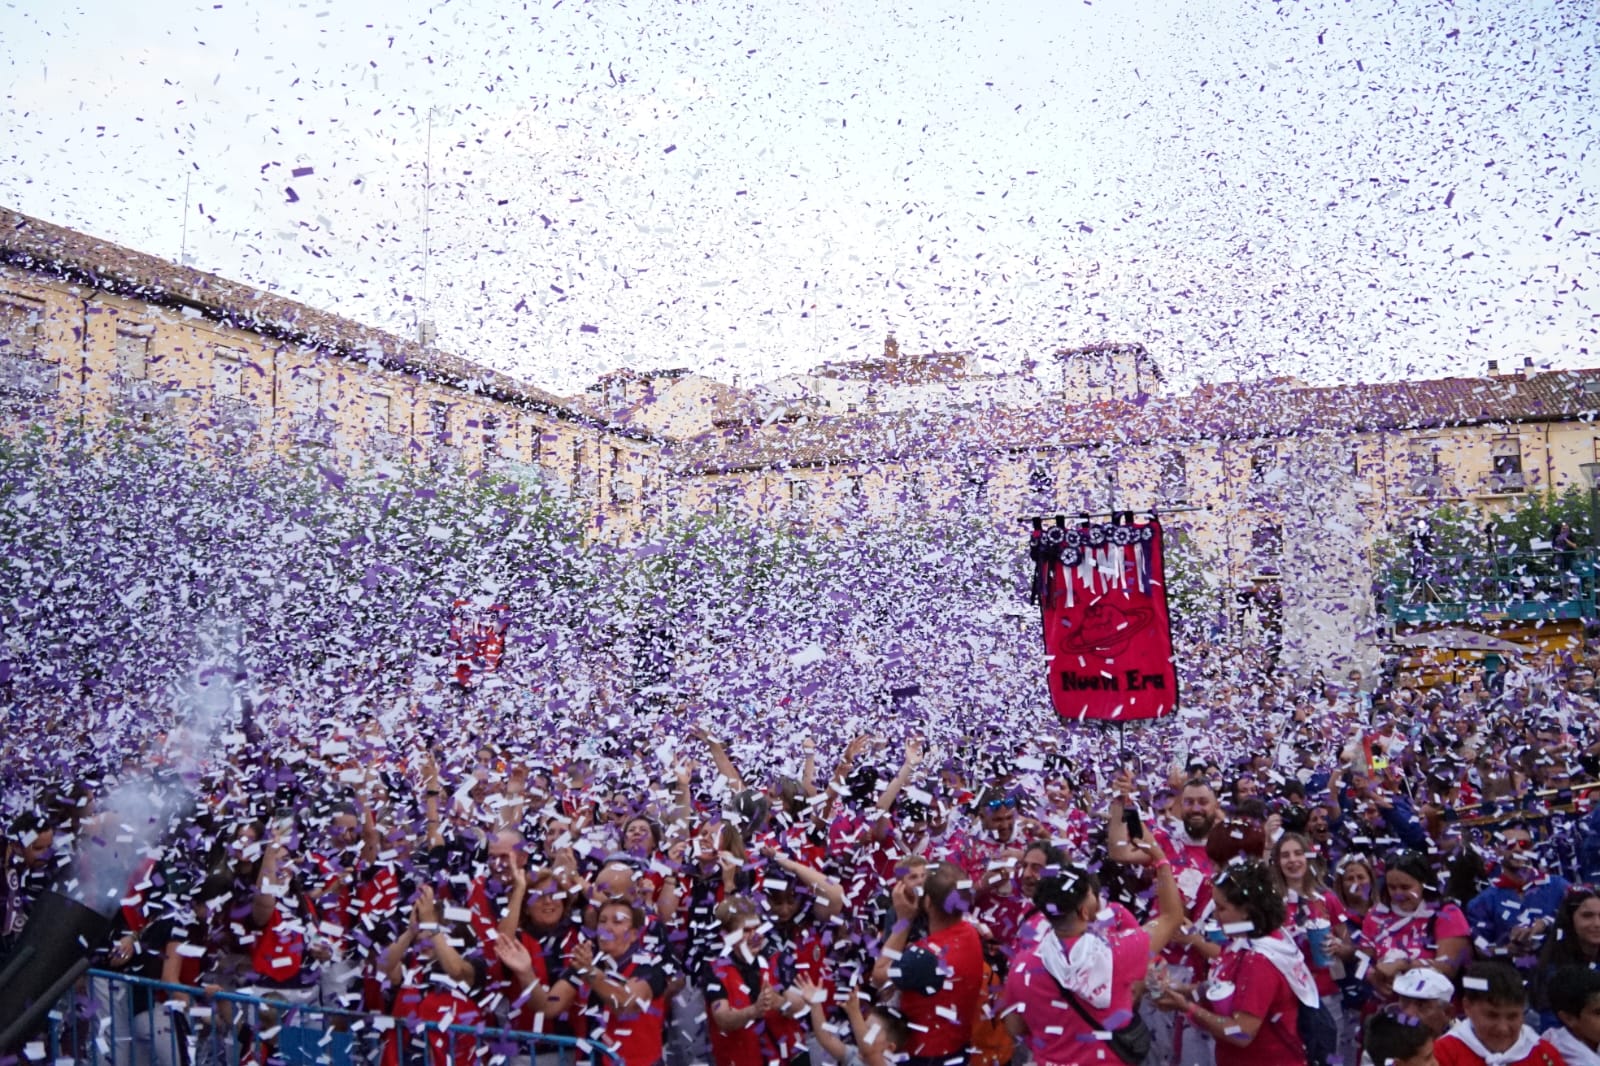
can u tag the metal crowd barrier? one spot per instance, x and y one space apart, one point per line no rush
113 1019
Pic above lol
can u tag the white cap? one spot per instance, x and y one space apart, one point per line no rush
1425 983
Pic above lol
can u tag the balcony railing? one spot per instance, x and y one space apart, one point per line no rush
27 381
236 420
142 399
312 431
1504 484
389 445
1524 586
1427 485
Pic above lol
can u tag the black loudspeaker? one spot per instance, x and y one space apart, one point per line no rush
53 951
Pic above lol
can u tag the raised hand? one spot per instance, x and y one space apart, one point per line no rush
427 908
905 900
514 957
770 999
814 995
853 750
583 957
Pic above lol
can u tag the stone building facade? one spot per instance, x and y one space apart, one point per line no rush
1279 490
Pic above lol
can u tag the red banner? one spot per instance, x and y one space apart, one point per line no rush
479 639
1100 588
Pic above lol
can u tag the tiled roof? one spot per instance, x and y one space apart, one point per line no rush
905 369
41 247
1227 411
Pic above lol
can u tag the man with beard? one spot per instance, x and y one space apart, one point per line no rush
1175 1041
1035 862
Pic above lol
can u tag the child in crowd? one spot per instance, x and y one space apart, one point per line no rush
1575 997
1494 1032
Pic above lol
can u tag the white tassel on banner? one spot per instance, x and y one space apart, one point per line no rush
1111 565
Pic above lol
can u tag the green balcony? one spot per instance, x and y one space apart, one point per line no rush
1494 589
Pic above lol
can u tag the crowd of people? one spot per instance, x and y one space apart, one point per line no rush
1288 875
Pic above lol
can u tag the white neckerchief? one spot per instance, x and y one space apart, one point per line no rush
1574 1052
1085 972
1462 1031
1286 956
1422 913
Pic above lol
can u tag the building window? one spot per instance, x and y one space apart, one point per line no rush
21 326
799 493
1173 483
1094 371
1423 469
227 375
1506 471
851 408
380 408
1266 545
1263 461
976 480
915 489
439 421
854 488
133 355
305 392
491 434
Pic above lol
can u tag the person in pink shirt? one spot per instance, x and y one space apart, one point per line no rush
1077 984
1410 927
1186 957
1318 923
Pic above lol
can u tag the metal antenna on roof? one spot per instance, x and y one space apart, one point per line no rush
183 241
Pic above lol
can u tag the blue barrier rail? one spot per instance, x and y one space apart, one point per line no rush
114 1019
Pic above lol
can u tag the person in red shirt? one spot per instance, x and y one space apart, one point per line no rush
940 977
1494 1030
625 992
1250 1005
745 995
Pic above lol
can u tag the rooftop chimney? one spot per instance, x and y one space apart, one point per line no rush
1494 366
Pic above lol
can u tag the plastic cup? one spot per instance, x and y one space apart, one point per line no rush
1318 933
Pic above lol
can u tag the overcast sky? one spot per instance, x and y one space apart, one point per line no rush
1337 190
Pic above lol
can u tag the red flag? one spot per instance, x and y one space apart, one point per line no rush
1106 632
